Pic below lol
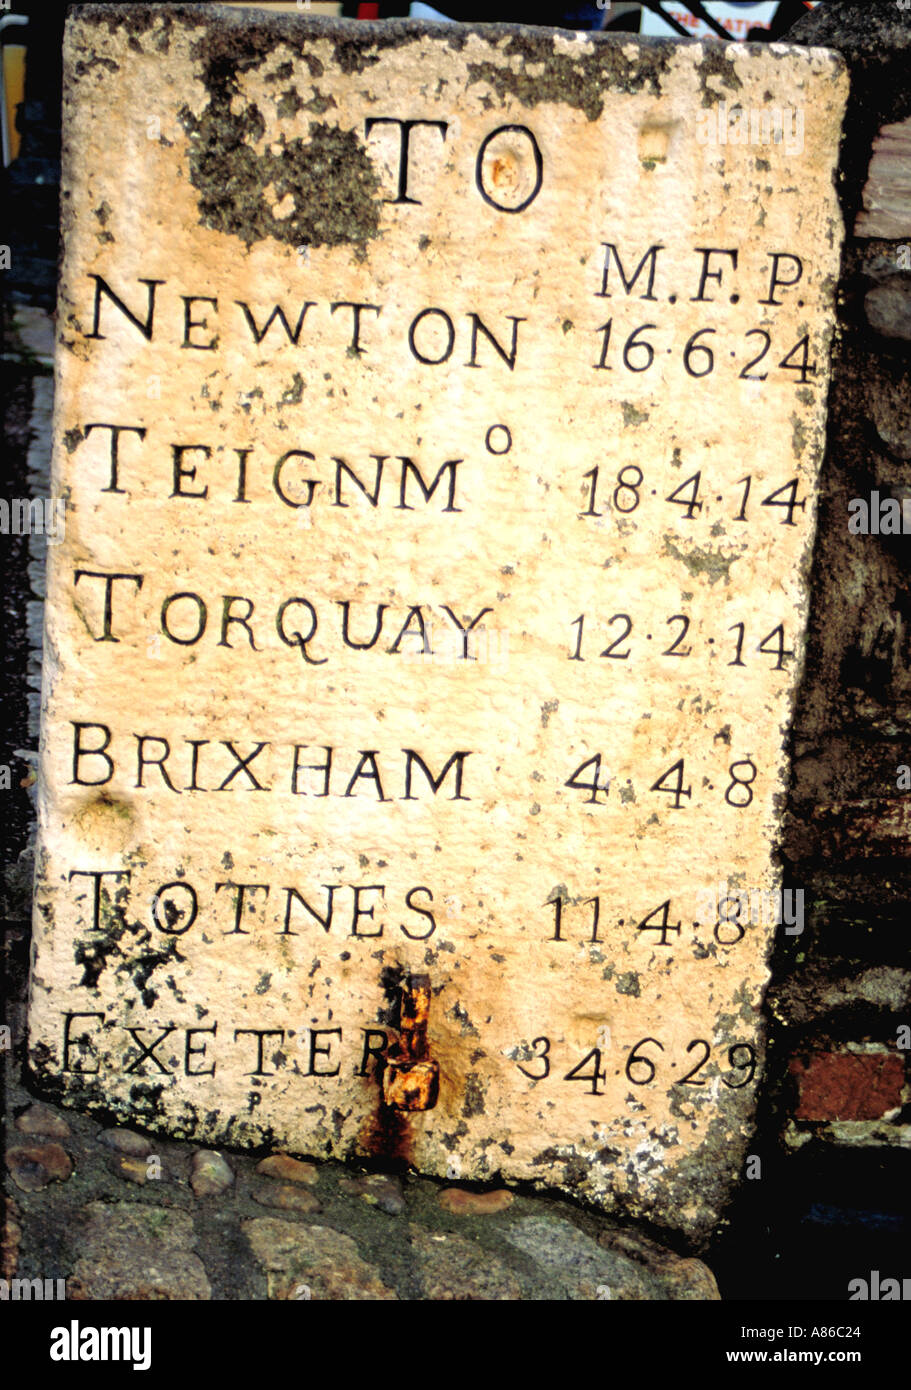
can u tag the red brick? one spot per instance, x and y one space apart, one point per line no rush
847 1085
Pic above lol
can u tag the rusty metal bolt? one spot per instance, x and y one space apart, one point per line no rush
411 1079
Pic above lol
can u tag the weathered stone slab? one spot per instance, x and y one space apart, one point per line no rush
439 417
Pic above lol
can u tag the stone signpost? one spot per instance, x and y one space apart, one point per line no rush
439 415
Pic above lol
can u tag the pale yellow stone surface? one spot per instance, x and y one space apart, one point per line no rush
227 159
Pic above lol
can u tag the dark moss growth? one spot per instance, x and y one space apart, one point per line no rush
289 103
583 81
81 67
329 174
132 20
282 73
473 1103
628 983
319 104
715 64
713 564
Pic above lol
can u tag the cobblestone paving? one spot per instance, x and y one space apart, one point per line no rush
119 1215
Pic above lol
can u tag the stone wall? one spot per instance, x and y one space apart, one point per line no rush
831 1187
